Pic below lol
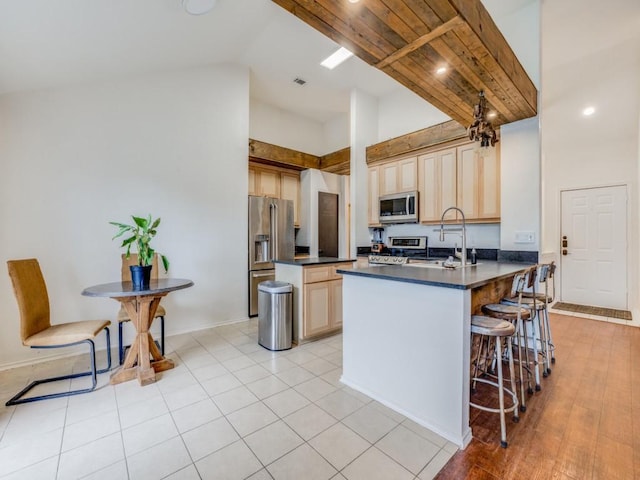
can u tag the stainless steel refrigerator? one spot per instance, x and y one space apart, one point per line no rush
271 237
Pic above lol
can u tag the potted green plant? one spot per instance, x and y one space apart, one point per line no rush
141 232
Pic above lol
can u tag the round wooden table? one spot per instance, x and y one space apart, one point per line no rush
144 358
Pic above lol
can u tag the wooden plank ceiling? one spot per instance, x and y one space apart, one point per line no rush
410 39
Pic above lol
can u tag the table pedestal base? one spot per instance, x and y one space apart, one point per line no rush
143 359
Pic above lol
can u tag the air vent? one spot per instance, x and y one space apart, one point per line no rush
299 81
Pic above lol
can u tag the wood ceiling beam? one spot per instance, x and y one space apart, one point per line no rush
427 137
281 156
421 41
409 39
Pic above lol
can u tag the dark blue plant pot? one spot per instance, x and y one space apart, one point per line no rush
140 276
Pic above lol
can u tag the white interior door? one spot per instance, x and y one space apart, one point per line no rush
594 247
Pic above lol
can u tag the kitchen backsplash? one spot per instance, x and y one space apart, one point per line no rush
486 236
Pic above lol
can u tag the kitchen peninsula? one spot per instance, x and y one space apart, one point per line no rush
317 294
406 337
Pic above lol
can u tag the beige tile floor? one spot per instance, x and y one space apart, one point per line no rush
229 410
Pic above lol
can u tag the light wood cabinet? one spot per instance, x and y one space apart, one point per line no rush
264 182
373 190
273 182
437 184
322 299
398 176
317 308
479 182
317 297
290 190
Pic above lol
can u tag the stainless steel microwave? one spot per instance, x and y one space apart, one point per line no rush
399 208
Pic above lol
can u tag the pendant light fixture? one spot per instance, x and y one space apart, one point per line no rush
481 129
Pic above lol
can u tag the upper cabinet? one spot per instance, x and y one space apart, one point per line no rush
290 190
437 184
373 191
462 175
479 182
264 182
398 176
275 182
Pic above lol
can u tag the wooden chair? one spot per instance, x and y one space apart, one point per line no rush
122 314
36 330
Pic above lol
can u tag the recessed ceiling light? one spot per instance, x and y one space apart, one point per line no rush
198 7
588 111
492 115
336 58
441 70
354 1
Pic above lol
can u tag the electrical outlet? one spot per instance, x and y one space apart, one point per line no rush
525 237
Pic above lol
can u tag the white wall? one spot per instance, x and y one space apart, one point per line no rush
520 184
600 150
283 128
402 112
173 145
336 133
363 128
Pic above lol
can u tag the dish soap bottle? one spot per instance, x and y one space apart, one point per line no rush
474 256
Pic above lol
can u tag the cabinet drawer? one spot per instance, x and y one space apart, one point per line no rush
317 274
340 266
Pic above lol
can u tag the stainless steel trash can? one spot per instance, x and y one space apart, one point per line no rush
275 311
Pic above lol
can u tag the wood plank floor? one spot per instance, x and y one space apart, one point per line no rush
583 424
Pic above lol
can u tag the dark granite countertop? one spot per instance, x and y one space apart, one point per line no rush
459 278
306 262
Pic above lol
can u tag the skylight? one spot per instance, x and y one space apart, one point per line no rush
336 58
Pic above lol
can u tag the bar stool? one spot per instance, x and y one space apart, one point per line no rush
495 329
532 300
517 315
546 272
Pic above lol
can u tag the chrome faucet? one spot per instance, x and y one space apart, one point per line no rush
462 231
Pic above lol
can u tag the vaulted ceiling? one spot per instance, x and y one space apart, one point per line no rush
410 39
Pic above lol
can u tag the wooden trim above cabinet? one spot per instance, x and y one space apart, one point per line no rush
276 156
412 142
337 162
267 153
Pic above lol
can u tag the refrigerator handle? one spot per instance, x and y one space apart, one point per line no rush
274 231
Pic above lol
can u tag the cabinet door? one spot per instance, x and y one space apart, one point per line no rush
468 173
290 190
437 184
388 178
429 186
268 183
448 182
479 182
317 308
336 303
407 175
489 188
374 212
252 182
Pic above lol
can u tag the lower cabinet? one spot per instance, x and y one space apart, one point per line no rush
317 300
322 307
